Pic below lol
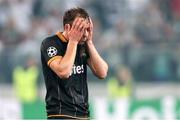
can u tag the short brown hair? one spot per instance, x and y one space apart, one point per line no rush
71 14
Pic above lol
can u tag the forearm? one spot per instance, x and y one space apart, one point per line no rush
98 65
67 61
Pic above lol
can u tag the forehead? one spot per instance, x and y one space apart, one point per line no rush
86 19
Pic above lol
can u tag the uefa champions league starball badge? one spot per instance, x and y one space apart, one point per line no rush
51 51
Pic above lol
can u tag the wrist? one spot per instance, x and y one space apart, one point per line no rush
89 42
73 42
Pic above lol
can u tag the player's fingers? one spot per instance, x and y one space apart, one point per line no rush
81 32
68 27
87 25
74 23
84 27
78 23
81 26
91 23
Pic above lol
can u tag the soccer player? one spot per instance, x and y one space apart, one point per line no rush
65 57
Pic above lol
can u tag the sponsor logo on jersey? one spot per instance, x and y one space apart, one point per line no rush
77 69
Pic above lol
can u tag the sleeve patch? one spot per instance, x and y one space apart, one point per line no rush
52 51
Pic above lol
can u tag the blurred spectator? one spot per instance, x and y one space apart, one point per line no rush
175 6
121 86
25 81
38 8
164 66
10 34
4 12
1 65
176 17
21 11
110 11
166 9
149 24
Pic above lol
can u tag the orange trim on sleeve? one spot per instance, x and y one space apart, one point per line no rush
53 58
61 36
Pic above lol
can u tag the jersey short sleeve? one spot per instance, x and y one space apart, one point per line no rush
50 50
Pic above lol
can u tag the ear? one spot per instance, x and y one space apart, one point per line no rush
67 27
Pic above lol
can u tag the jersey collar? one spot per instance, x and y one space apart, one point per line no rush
61 36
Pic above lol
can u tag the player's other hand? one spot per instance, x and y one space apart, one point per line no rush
76 31
90 31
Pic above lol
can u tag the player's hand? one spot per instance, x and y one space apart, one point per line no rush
90 31
76 32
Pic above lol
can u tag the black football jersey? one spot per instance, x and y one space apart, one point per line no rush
65 97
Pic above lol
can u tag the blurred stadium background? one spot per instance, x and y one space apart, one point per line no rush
140 40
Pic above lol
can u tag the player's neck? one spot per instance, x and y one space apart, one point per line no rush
64 33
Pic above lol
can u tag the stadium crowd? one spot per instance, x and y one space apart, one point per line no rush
142 35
